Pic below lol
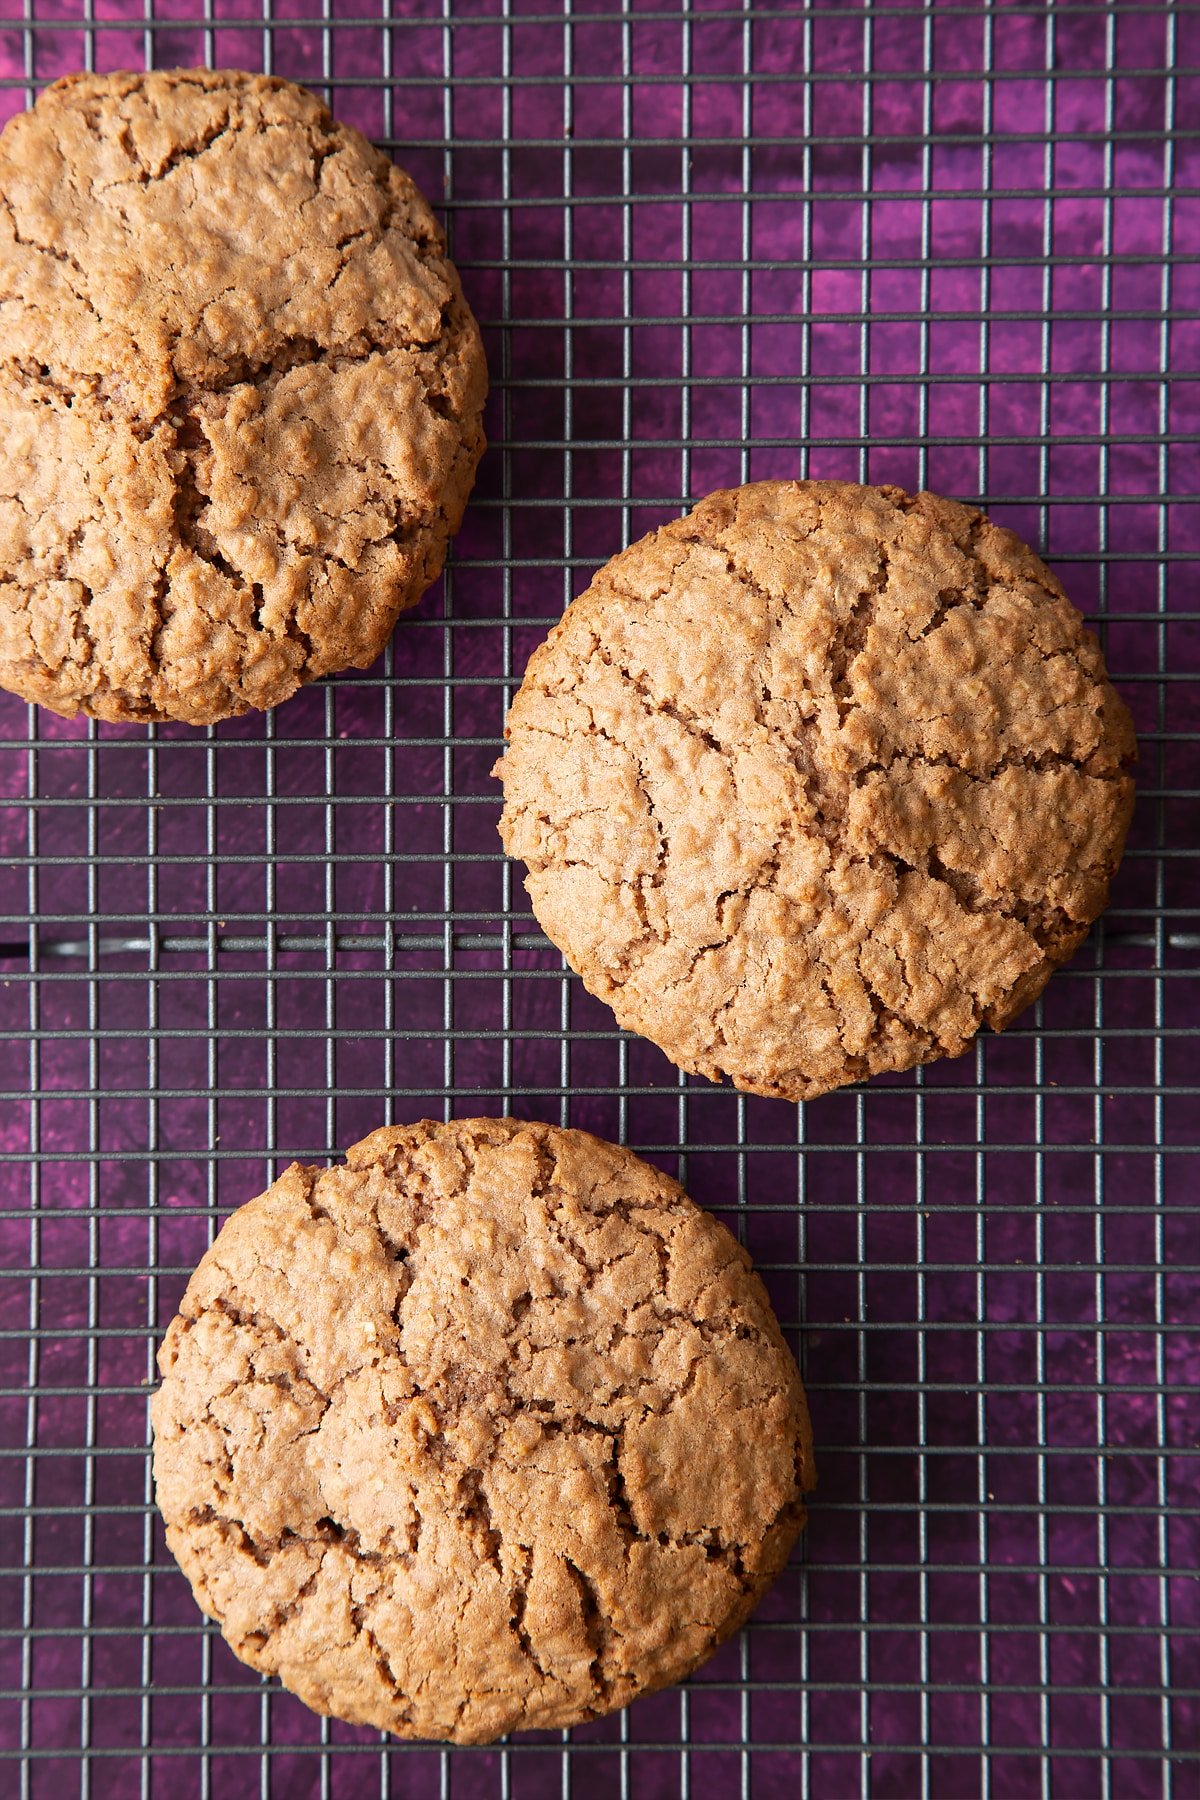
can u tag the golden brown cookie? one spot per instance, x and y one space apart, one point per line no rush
240 396
490 1428
817 780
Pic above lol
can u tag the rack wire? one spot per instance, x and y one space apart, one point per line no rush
943 244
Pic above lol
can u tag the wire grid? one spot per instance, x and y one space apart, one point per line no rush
947 244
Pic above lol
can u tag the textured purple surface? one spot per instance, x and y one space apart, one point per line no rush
837 266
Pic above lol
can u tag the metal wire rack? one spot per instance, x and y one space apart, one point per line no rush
943 244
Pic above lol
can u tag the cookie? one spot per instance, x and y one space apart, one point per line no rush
240 396
490 1428
816 781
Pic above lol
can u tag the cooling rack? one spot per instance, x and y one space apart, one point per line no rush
943 244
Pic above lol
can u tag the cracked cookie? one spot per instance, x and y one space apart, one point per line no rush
490 1428
816 781
240 396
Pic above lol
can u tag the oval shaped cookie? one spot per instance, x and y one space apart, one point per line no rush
240 396
490 1428
817 780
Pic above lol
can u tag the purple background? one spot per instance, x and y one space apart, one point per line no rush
839 267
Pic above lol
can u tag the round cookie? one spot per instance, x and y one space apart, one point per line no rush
491 1428
240 396
817 780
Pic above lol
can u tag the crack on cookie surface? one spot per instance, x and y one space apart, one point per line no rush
596 1630
851 637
